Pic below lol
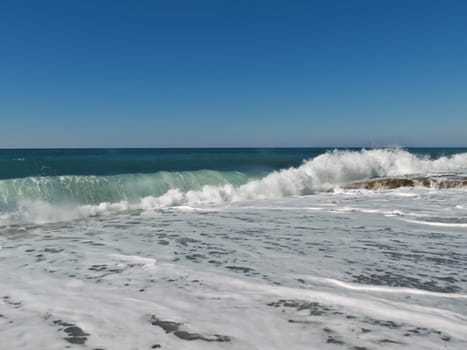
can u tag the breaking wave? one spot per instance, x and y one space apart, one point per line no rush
39 200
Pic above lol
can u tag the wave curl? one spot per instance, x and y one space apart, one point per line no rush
40 200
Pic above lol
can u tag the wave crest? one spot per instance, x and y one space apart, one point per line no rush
45 200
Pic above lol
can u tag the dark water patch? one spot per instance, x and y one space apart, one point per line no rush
383 323
195 257
332 337
219 253
106 268
408 330
302 322
98 268
74 334
379 245
445 261
441 258
350 262
187 336
447 279
174 327
398 280
332 340
443 220
195 336
63 323
243 218
245 270
53 250
40 257
382 341
314 308
93 243
167 326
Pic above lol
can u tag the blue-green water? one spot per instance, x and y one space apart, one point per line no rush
93 181
54 162
18 163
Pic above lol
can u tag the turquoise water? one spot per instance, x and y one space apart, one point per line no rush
61 185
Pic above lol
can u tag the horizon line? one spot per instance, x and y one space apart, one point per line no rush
221 147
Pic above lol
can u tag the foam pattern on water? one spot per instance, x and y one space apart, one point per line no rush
352 270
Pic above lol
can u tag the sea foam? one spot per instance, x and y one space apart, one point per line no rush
51 199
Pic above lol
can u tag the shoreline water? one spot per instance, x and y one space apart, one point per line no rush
265 263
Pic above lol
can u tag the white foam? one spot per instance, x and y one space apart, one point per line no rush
433 223
133 276
322 173
146 263
451 322
404 194
383 289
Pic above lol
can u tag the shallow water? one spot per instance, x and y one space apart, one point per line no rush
351 269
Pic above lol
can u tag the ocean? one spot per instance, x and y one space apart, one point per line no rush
292 248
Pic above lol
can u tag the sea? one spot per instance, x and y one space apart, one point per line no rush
241 248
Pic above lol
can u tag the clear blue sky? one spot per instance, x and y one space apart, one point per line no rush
101 73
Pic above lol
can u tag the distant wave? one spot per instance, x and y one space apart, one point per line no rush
39 200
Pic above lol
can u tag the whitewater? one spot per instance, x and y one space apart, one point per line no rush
39 200
246 249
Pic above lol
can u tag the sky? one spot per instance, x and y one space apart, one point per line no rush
107 73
